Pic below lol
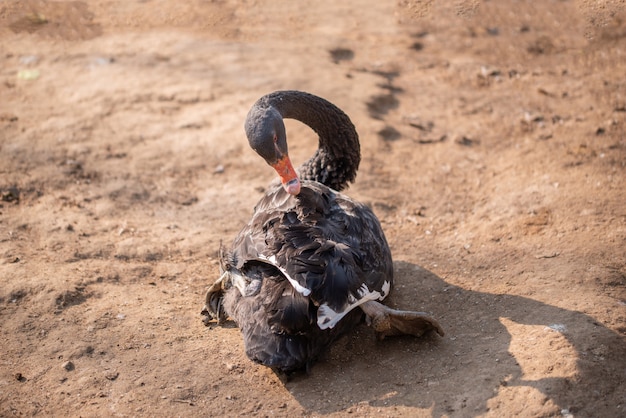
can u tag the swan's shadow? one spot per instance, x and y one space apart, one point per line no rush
459 374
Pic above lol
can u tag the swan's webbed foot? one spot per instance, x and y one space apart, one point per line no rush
214 302
388 322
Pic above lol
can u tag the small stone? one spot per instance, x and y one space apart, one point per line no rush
69 366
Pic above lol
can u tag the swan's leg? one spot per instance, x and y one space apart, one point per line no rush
387 322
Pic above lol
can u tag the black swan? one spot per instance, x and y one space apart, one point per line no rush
312 262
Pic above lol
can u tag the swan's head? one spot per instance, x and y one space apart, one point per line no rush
266 134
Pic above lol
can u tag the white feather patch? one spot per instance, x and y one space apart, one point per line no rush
299 288
238 281
327 317
386 288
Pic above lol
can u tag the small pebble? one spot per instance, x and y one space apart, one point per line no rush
68 365
29 59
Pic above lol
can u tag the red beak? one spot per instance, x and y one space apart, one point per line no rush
288 176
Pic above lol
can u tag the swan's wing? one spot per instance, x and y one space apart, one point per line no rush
347 264
327 246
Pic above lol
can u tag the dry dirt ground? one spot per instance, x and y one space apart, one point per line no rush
494 152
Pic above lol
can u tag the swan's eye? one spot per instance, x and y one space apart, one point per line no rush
275 138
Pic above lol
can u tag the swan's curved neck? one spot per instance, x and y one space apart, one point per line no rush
337 158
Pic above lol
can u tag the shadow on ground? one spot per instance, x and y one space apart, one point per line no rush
476 360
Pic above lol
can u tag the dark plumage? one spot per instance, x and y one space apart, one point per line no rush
311 261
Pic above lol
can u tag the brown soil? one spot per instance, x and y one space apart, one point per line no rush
494 153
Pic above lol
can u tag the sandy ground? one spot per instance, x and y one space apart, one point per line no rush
494 152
